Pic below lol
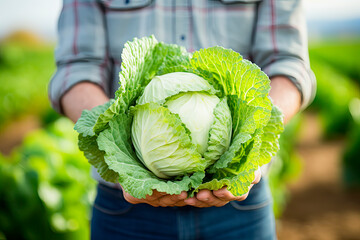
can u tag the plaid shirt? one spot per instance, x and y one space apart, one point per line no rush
92 33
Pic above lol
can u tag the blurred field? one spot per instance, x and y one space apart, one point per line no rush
315 180
320 205
324 201
45 185
340 55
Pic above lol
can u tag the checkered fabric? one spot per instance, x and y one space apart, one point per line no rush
92 33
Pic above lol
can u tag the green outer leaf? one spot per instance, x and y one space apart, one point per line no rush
249 153
233 75
96 157
104 118
120 127
88 119
247 118
137 61
176 59
243 127
87 141
270 138
153 117
230 154
246 88
237 185
239 173
220 132
142 59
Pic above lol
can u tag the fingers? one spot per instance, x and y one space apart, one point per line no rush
158 199
130 198
155 195
225 195
204 198
257 176
207 197
173 200
193 201
218 198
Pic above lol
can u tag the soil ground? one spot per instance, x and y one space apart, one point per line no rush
320 207
12 134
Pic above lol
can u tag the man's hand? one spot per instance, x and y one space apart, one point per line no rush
218 198
159 199
204 198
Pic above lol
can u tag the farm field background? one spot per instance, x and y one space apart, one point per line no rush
324 200
45 185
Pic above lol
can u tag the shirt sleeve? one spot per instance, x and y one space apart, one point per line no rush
280 45
81 54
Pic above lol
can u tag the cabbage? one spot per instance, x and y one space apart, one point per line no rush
182 122
171 139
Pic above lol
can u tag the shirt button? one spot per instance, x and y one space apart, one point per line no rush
182 37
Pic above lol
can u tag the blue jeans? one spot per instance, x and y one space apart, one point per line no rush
114 218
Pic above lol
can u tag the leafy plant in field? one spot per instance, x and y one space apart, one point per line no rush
351 163
341 55
334 93
338 76
25 72
286 165
45 187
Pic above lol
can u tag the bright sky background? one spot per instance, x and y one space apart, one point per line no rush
332 9
40 16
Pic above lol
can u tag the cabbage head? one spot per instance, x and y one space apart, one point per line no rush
176 120
182 122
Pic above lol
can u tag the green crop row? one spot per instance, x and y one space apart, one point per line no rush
340 55
25 72
45 187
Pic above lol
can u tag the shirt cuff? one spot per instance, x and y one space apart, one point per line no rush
69 75
302 77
